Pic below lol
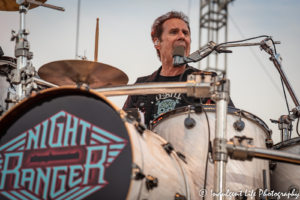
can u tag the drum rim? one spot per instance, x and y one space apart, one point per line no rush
286 143
12 113
210 108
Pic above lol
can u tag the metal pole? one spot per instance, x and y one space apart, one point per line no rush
221 96
77 29
226 36
220 166
21 60
285 80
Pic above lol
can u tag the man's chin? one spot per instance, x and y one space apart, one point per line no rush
179 66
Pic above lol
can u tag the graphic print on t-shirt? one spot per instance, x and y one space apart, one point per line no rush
166 102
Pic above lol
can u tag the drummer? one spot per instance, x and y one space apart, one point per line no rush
167 32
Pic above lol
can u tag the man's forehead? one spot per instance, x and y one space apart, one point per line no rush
175 23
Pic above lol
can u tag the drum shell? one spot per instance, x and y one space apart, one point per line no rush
285 177
193 143
172 174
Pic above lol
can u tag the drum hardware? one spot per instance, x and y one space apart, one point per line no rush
266 194
285 125
169 148
189 122
23 73
181 156
272 165
136 113
84 85
239 125
242 197
137 174
284 122
153 88
151 182
293 189
179 197
2 110
220 94
129 118
246 151
269 143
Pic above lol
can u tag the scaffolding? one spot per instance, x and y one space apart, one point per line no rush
213 24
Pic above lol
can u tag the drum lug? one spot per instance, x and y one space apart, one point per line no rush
139 126
137 174
168 147
272 165
269 143
130 119
179 197
151 182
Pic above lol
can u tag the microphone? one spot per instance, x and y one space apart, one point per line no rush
178 55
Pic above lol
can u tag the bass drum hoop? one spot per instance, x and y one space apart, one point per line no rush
212 108
29 102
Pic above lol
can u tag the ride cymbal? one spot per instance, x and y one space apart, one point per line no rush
72 72
11 5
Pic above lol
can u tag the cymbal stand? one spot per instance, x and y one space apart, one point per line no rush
285 121
23 75
220 94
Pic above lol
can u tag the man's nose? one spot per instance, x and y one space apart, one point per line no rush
181 36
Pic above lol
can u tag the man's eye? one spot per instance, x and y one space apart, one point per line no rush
173 32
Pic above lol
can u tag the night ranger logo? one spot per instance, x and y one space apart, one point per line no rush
63 157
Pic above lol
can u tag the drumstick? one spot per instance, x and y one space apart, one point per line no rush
96 40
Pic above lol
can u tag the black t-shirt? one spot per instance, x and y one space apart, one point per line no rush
167 101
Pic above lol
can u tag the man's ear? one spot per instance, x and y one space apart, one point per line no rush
156 43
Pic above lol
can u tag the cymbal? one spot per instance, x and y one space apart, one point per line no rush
70 72
11 5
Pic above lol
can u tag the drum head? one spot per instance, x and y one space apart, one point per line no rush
64 143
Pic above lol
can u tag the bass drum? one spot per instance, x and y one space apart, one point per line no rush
285 177
70 143
242 176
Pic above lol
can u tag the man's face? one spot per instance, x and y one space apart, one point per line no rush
175 33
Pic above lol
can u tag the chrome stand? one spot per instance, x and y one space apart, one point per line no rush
220 94
22 76
285 121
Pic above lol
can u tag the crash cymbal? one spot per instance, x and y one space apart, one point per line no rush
70 72
11 5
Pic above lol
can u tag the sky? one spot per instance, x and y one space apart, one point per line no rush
125 43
